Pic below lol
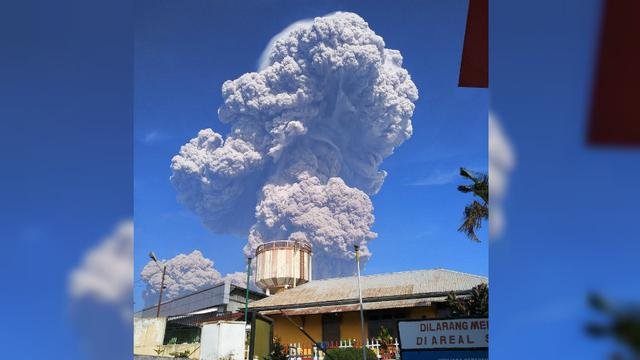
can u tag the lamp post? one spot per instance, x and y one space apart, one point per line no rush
164 271
246 297
364 351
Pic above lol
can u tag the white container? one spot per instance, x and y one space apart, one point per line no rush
222 340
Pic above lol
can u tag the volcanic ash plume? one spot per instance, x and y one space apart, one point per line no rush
308 134
185 274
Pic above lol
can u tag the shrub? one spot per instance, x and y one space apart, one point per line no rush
181 354
350 354
278 351
159 350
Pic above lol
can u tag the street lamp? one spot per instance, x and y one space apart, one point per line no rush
164 270
364 350
246 297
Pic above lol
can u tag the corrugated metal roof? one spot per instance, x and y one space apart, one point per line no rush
376 305
200 319
406 285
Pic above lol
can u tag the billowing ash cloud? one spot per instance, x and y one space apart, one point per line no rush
239 278
501 163
308 134
185 274
101 295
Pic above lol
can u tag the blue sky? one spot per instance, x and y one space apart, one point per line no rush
185 52
571 208
66 138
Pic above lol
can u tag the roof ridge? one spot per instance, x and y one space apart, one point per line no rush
464 273
390 273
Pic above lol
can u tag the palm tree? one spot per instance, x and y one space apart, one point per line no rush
475 304
623 323
476 211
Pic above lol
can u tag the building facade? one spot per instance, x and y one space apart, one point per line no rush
179 326
329 310
224 297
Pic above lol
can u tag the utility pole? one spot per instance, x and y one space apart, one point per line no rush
153 257
364 350
246 297
164 270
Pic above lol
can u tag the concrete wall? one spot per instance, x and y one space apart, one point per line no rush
168 349
194 349
147 334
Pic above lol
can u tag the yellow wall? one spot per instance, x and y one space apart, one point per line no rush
349 327
288 333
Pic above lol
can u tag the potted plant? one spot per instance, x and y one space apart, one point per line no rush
386 340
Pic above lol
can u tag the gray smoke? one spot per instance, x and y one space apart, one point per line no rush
308 134
185 274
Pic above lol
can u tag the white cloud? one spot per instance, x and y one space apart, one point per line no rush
501 163
152 137
106 271
438 177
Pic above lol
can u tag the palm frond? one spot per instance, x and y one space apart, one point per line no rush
467 174
474 213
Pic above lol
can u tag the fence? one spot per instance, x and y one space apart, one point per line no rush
298 352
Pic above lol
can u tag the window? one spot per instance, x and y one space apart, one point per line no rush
179 334
331 327
387 318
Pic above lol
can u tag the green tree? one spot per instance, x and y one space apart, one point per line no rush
474 305
476 211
